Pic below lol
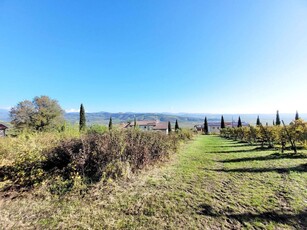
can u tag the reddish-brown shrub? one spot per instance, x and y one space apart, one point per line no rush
97 155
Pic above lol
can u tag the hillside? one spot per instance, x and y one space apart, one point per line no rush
4 115
186 119
103 117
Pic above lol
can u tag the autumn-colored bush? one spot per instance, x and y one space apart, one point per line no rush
111 154
60 158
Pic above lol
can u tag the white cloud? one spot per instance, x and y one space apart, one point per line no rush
71 110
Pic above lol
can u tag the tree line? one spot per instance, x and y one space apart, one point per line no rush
279 135
45 114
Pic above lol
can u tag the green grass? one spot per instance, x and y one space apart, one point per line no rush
212 183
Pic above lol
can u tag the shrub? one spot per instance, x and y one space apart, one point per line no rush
111 154
97 129
60 157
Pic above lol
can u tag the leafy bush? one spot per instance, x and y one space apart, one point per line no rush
61 157
111 154
185 134
97 129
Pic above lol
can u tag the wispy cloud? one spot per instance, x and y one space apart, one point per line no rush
71 110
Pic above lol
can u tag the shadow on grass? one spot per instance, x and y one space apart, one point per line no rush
246 150
273 156
237 145
298 220
299 168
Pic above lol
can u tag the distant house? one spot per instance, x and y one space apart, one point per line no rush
2 130
215 127
149 125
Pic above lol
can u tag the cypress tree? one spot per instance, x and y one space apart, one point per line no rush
258 121
297 116
222 123
110 123
277 118
273 122
82 122
239 122
169 127
176 126
206 126
134 124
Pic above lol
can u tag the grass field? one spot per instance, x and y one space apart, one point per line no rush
212 183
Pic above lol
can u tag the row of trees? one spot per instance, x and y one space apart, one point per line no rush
206 129
239 123
281 136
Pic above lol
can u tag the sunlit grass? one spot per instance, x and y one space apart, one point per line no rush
211 183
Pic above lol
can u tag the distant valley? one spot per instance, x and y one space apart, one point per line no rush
185 119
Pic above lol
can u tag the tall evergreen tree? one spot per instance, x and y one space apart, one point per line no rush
134 123
176 126
258 121
206 126
222 123
82 122
239 122
273 122
169 127
277 118
297 116
110 123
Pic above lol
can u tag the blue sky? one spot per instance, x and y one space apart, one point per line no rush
156 55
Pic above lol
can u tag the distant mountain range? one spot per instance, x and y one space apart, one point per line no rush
4 115
186 119
103 117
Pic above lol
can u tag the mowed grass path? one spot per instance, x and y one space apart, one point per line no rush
212 183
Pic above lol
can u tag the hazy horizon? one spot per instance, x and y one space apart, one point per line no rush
182 112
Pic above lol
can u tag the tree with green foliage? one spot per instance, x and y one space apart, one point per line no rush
169 127
222 123
22 115
48 113
239 122
297 116
110 123
277 118
82 121
41 114
176 126
258 123
273 122
206 130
